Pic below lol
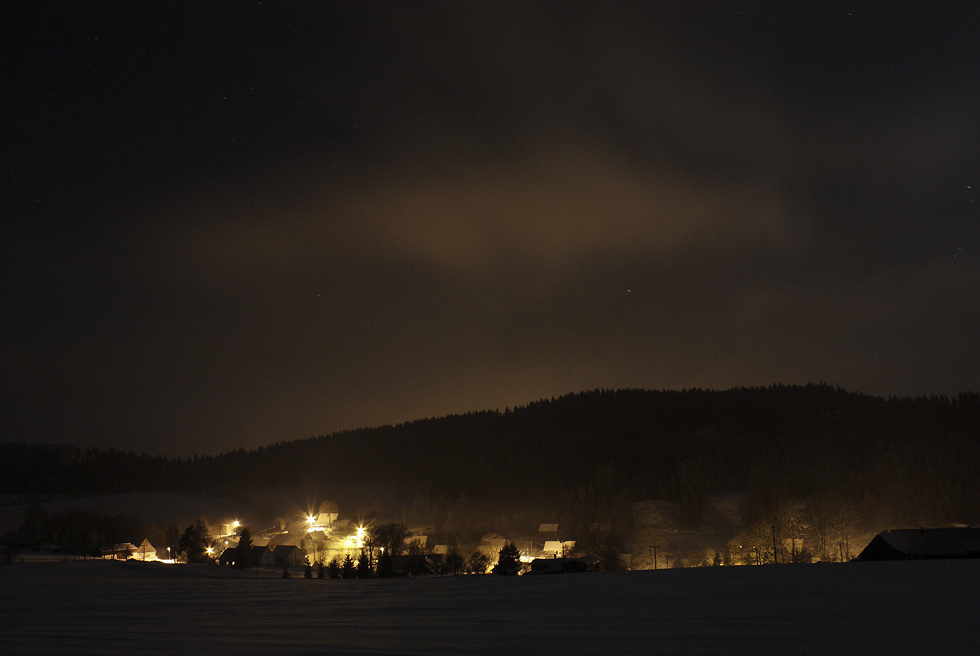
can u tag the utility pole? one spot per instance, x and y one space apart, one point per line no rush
653 548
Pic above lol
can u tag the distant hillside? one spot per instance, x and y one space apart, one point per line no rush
913 460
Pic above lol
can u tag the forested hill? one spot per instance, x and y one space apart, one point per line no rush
920 457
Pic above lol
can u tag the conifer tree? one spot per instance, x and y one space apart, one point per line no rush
243 549
363 565
348 567
509 561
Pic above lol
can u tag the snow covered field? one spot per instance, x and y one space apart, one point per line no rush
103 607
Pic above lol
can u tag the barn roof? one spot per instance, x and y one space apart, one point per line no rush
899 544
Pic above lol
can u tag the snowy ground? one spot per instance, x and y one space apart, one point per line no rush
104 607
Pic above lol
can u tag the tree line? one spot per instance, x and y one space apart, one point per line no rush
909 460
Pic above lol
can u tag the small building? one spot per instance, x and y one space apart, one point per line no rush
322 519
288 554
228 557
261 557
145 551
120 550
564 565
923 543
416 565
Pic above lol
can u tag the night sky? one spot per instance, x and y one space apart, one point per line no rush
232 224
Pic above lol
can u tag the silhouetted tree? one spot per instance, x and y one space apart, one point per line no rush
244 548
390 541
390 538
363 565
454 562
334 568
194 542
36 527
348 567
478 563
509 561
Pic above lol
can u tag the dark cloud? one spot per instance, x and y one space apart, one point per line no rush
232 227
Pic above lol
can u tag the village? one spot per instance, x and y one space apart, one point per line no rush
321 541
324 540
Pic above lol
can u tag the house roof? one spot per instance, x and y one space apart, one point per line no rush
284 550
558 546
560 565
924 543
286 539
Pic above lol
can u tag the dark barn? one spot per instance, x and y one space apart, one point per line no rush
920 543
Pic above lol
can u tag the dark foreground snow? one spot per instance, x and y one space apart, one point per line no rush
99 607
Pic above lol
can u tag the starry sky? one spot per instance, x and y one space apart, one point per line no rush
232 224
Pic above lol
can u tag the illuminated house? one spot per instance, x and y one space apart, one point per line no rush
923 543
145 551
321 520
